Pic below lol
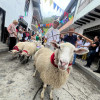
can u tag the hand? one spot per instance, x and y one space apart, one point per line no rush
71 32
54 41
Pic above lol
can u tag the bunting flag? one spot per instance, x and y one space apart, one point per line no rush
69 16
46 25
58 8
39 25
50 24
54 5
65 14
67 19
45 0
51 2
61 21
25 13
36 26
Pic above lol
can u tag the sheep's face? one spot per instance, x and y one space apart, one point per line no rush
14 53
64 54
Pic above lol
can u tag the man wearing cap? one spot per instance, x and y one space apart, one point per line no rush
71 37
53 34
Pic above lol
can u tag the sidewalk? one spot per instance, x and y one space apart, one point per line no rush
3 47
89 71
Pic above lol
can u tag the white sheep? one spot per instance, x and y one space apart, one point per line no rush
18 48
27 52
54 68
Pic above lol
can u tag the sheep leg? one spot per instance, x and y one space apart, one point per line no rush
42 93
34 73
51 97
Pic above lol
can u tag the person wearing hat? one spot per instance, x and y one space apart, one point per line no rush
70 37
12 34
53 34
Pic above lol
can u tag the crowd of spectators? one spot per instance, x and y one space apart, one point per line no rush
81 41
17 33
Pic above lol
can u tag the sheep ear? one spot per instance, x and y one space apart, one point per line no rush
81 51
54 44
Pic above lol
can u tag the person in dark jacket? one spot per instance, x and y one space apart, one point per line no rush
92 51
98 64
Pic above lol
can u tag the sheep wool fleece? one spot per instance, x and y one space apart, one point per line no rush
48 73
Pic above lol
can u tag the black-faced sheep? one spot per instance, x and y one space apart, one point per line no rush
54 68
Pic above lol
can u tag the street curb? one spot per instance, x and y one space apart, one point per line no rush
89 71
4 49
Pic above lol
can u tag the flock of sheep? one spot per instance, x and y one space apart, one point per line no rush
53 67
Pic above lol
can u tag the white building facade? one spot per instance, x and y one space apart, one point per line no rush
87 18
12 10
16 8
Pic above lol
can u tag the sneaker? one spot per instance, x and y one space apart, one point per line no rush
97 71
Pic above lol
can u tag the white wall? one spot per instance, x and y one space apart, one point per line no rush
15 8
87 9
93 23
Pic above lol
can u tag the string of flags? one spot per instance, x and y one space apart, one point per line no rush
55 5
68 18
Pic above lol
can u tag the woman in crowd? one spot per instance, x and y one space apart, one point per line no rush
92 51
86 46
12 34
79 43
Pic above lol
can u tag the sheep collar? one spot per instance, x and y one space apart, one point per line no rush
52 61
26 52
15 48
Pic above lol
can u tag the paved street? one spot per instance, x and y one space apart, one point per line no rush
17 83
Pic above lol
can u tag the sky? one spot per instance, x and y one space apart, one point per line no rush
48 10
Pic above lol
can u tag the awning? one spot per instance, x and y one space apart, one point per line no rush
91 16
88 18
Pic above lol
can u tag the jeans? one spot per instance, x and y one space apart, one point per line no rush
90 57
74 58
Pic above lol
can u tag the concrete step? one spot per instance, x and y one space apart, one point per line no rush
89 71
3 47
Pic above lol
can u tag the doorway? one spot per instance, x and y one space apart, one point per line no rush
2 22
